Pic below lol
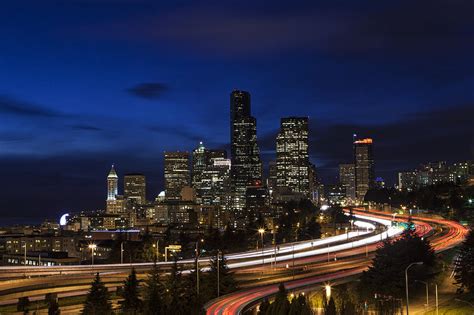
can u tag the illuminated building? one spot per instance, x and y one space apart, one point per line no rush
199 165
256 197
364 167
176 174
347 179
203 159
112 184
215 190
245 154
115 203
292 155
135 188
407 180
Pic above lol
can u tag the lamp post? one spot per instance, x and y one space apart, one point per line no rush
218 274
427 296
157 246
198 253
92 248
121 252
406 281
24 256
436 295
327 287
262 231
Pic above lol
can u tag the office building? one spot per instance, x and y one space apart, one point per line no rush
364 167
292 155
347 179
176 174
135 188
245 154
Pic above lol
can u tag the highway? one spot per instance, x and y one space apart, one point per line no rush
72 280
443 235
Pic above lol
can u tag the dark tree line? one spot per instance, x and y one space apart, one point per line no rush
299 305
174 293
464 265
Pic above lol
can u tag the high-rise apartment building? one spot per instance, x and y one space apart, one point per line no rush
364 167
292 155
134 188
245 154
347 179
176 174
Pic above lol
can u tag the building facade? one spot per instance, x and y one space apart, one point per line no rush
347 179
177 174
135 188
245 154
364 167
292 155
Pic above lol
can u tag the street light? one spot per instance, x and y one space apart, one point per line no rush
406 281
121 252
262 231
427 296
92 247
327 287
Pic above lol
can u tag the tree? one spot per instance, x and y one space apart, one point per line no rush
174 292
330 307
386 276
281 305
23 304
131 303
300 306
97 299
227 283
262 310
152 295
464 265
53 308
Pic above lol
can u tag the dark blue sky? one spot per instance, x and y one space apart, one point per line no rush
87 83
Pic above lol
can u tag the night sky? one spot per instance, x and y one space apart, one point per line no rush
84 84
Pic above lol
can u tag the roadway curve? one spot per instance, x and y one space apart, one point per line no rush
452 234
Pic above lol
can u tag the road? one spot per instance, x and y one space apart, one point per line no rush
443 235
72 280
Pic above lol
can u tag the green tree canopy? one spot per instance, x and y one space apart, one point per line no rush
97 299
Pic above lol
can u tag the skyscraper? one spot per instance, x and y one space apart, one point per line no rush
364 167
347 179
112 184
292 155
176 174
115 203
135 188
245 154
199 165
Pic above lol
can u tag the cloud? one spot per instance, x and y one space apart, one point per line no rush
179 131
10 106
149 91
86 127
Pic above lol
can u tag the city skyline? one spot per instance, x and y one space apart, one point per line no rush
65 108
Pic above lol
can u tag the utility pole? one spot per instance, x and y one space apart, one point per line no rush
24 258
218 274
121 252
436 294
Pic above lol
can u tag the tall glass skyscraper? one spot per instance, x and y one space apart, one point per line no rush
292 155
245 154
364 167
